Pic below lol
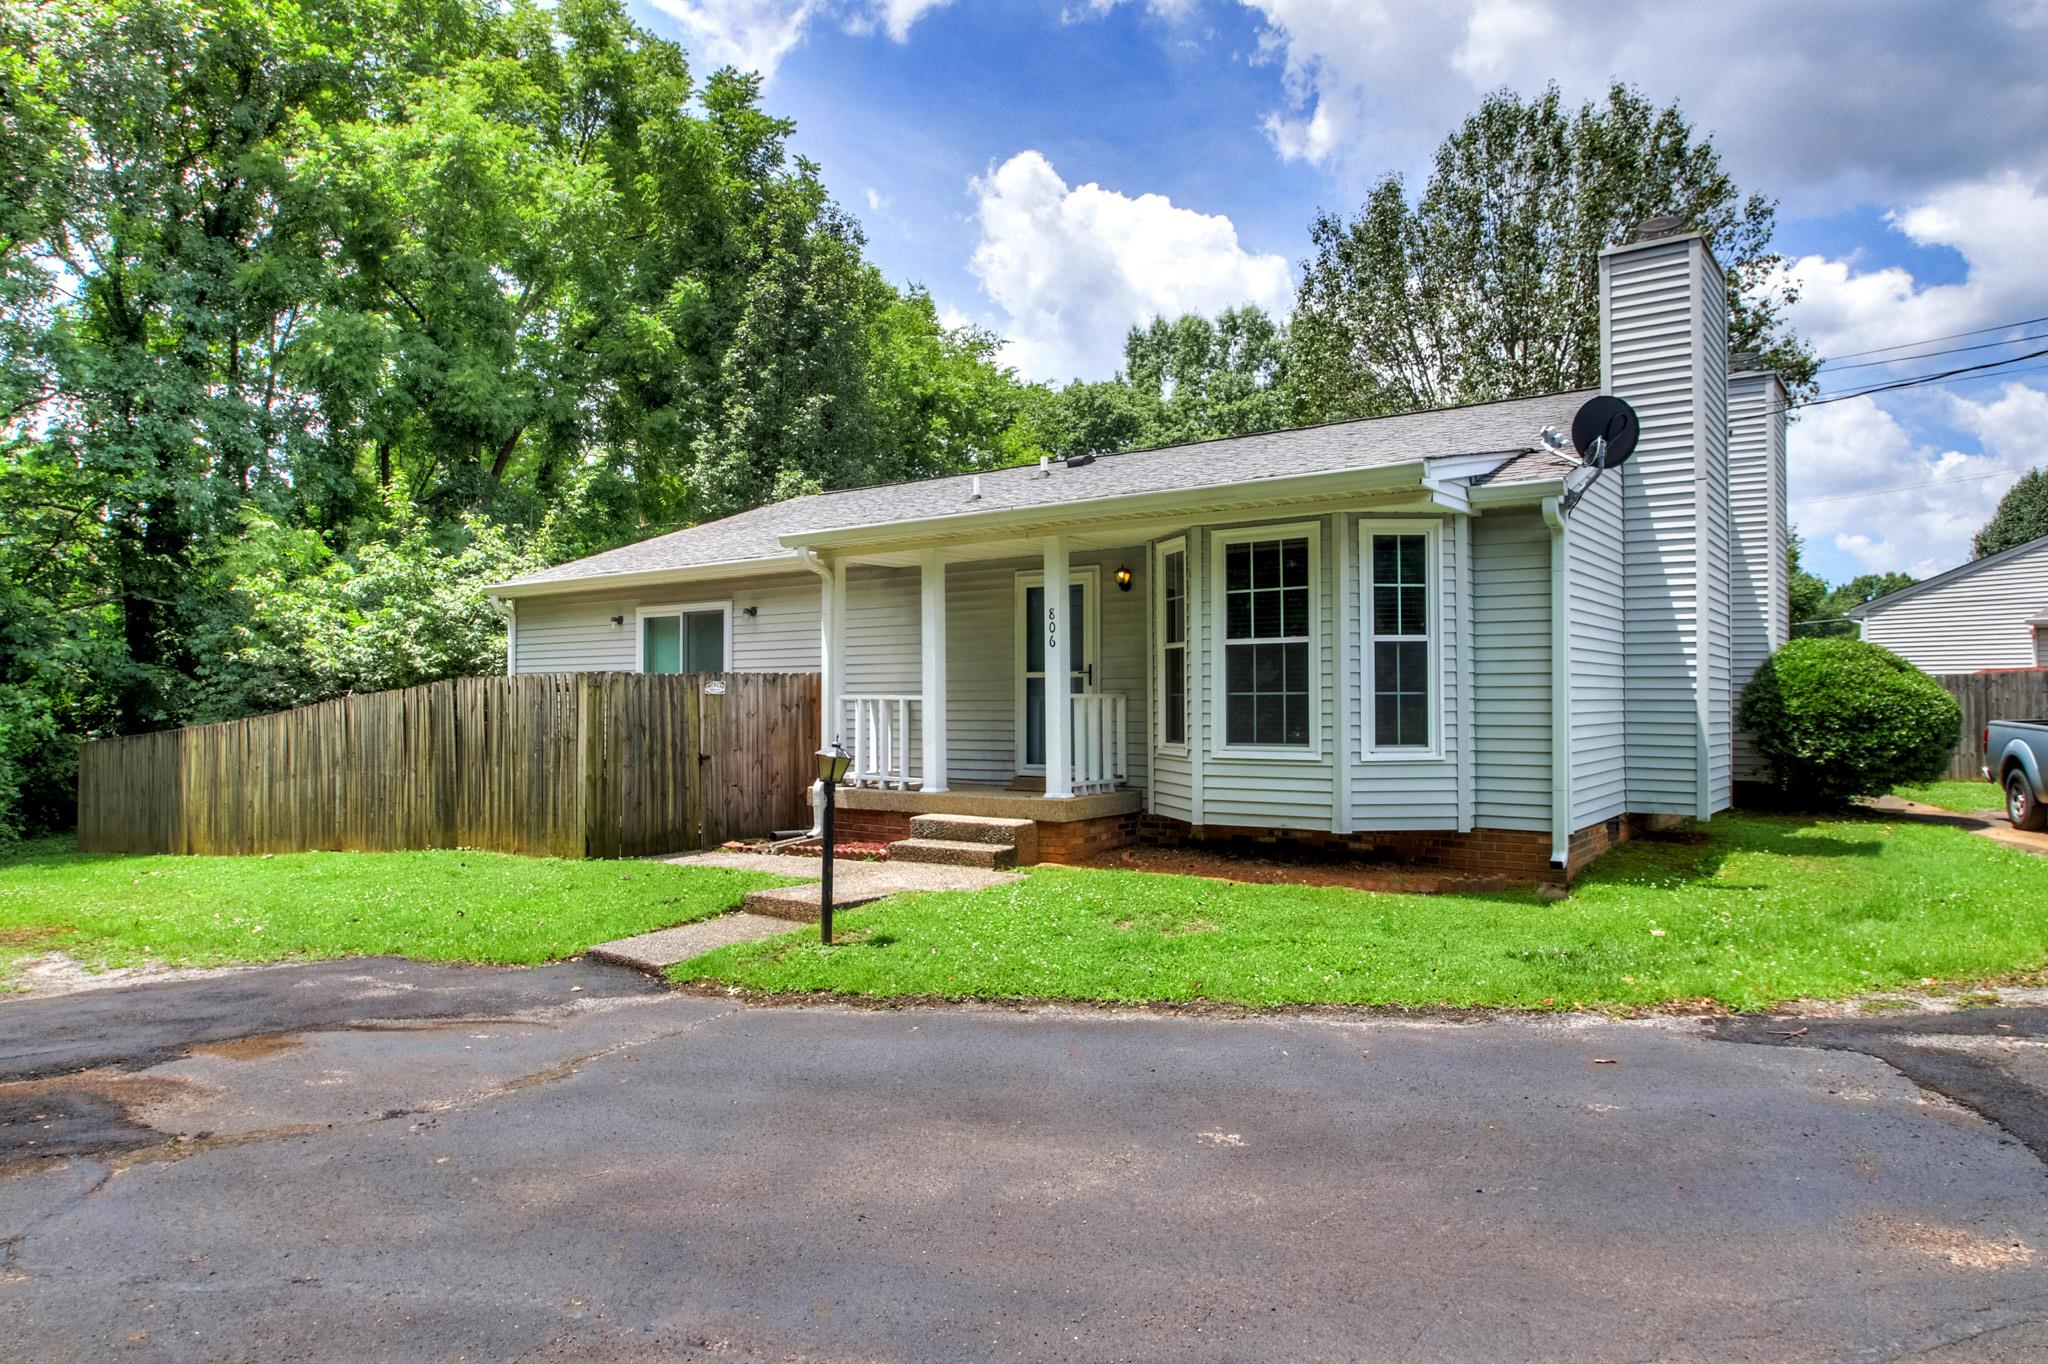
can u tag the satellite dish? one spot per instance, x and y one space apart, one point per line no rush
1555 440
1605 431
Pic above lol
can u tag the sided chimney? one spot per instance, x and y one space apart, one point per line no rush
1664 348
1759 604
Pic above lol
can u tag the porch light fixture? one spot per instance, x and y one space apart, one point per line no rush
1123 577
618 622
833 760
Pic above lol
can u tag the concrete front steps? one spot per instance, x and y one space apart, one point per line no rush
799 904
982 841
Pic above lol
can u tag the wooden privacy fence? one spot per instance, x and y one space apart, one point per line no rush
1984 697
550 764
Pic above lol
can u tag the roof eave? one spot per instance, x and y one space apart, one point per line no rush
1249 493
645 577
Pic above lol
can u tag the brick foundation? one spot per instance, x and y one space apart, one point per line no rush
1077 840
1510 854
869 826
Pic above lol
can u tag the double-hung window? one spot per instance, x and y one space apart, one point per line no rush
684 639
1267 617
1399 560
1172 580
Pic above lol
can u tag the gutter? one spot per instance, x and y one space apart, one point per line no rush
645 577
1228 497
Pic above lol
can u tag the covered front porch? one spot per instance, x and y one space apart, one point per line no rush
936 675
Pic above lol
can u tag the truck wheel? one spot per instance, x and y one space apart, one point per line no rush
2020 806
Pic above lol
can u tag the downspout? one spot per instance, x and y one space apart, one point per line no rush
508 611
1560 694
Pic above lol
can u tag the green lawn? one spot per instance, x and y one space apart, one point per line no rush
1764 909
1964 796
437 906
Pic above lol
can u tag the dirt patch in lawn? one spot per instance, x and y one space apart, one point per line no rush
1271 871
57 973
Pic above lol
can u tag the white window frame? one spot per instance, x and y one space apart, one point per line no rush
1218 697
724 608
1177 545
1368 730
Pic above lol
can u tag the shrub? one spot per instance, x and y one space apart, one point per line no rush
1839 718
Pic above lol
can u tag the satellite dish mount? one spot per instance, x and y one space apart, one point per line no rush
1605 431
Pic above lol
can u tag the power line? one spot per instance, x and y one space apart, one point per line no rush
1930 354
1876 492
1930 340
1918 379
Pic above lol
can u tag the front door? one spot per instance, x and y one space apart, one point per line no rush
1079 629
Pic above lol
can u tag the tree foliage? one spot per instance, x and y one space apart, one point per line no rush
1488 286
316 314
2022 515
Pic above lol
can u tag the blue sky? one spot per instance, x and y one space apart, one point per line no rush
1057 171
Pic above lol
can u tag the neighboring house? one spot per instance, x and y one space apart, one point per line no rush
1390 635
1990 613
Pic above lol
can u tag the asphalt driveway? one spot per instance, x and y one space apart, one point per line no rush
617 1173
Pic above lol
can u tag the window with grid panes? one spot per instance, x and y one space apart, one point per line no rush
1266 653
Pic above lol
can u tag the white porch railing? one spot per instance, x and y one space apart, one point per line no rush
1101 742
883 728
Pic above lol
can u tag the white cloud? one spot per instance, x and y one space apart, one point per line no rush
1074 267
1996 225
877 201
1809 101
755 35
1864 486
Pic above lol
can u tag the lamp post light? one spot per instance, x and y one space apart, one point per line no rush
833 761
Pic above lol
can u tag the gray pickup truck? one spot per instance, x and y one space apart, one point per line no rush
2016 757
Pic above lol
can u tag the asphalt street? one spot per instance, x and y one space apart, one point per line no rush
542 1172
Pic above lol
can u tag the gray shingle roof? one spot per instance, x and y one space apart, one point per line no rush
752 537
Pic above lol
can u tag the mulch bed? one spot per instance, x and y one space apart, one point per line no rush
844 850
1256 870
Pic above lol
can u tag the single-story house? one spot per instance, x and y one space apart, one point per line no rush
1405 636
1990 613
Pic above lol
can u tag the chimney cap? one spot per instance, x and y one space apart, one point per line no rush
1663 225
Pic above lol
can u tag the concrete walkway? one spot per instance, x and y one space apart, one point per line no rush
769 912
1989 824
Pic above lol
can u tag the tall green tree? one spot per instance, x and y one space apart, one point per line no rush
271 272
1488 286
2022 515
1197 377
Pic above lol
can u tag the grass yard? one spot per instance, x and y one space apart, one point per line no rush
1965 797
1751 911
108 910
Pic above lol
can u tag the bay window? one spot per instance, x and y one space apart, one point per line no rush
1266 609
1172 580
1400 594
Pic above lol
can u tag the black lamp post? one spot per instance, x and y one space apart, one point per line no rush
832 764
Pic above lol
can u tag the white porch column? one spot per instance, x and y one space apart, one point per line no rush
933 615
1059 707
832 654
